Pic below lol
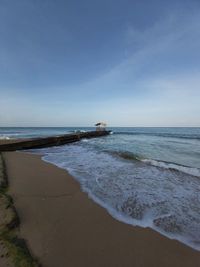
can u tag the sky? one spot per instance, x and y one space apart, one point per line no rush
74 63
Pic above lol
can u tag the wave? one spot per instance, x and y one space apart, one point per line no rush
166 135
172 166
4 137
125 155
159 163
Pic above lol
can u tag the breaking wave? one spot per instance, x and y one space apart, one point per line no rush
159 163
173 166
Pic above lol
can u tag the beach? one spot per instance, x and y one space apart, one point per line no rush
63 227
100 133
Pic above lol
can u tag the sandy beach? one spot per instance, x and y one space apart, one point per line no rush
63 227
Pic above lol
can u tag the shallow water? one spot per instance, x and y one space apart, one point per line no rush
148 177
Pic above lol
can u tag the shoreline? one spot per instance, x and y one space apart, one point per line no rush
63 226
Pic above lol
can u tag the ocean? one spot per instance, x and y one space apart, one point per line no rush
149 177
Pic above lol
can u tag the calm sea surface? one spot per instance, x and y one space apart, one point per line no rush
148 177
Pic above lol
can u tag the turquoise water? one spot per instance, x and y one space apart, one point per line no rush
176 145
148 177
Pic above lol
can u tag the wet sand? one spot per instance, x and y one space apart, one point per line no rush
63 227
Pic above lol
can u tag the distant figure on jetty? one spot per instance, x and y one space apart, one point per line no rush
100 126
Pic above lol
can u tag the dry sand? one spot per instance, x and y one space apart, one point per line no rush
63 227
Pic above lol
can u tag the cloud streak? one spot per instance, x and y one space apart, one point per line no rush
154 82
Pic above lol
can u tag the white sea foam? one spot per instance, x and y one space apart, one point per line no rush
172 166
135 192
4 137
85 140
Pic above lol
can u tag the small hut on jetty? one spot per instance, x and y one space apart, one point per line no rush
100 126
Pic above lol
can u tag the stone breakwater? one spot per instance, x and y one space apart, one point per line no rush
50 141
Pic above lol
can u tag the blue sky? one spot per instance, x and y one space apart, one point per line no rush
72 63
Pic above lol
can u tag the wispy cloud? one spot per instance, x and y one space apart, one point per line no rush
156 82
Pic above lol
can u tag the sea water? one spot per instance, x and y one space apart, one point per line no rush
149 177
